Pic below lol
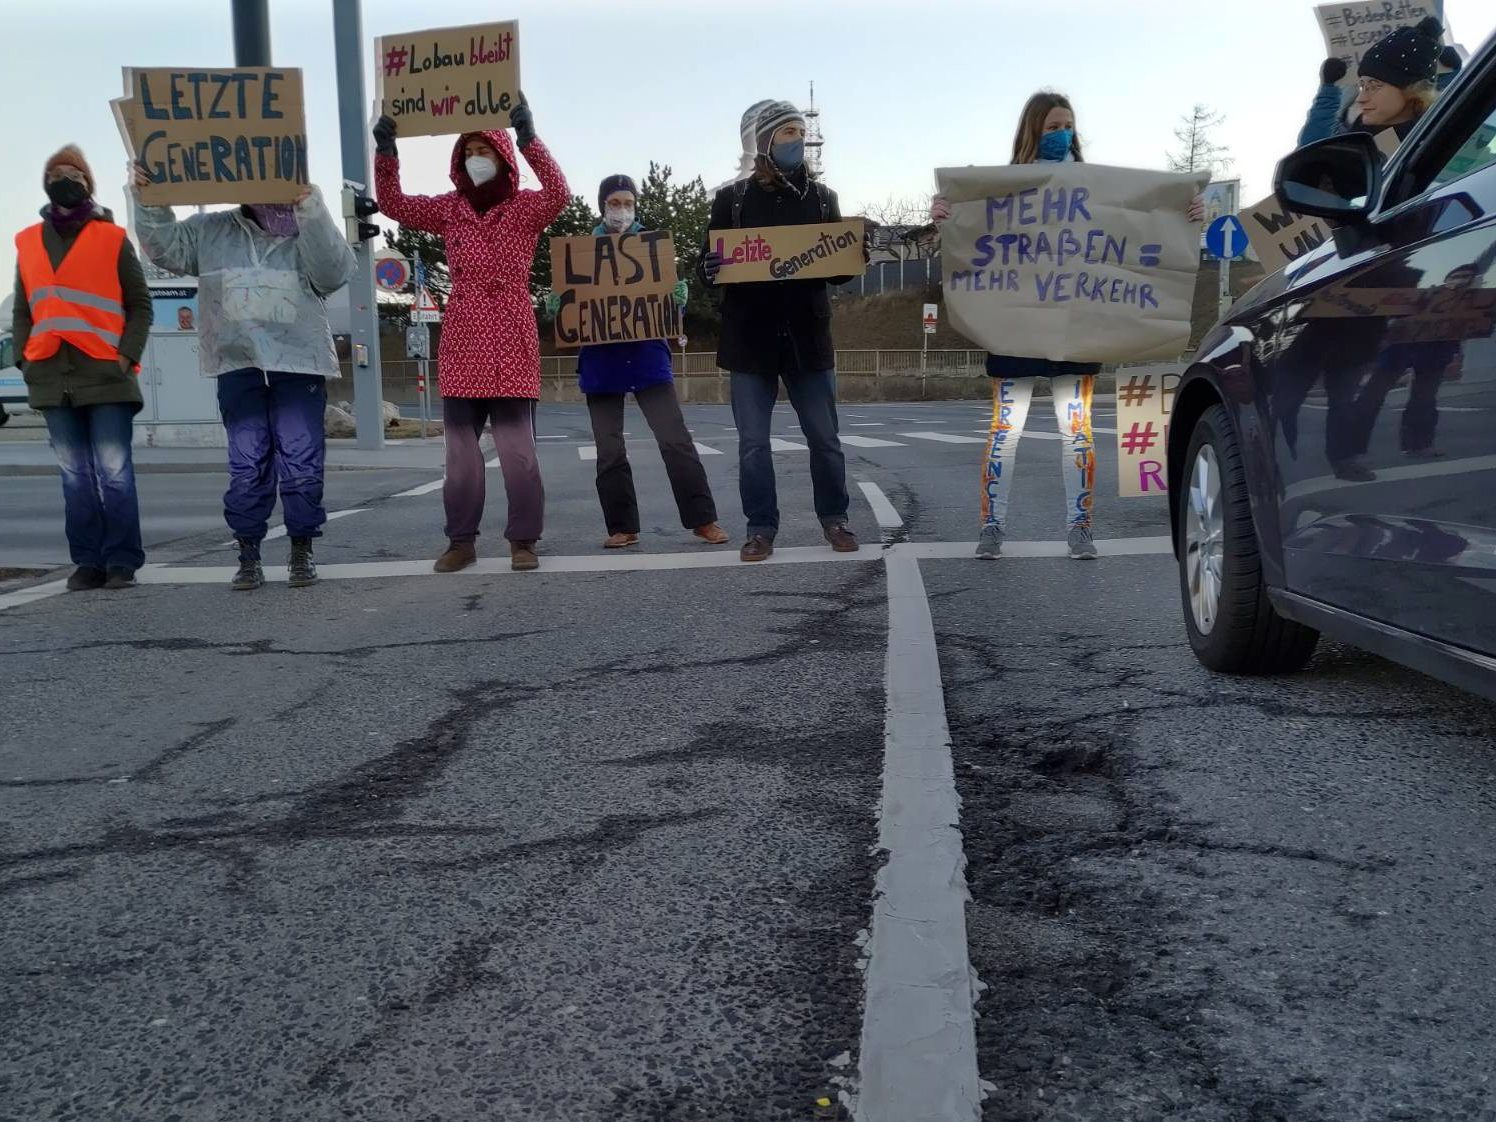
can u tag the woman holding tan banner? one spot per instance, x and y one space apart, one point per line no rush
1046 133
608 373
488 364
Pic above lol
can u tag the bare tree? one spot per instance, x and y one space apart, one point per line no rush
897 222
1198 150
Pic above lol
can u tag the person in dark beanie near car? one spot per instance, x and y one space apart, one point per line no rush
607 374
81 316
1399 80
780 330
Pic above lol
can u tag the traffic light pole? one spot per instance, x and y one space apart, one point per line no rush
368 385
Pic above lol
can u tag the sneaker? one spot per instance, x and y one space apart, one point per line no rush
842 539
1424 454
86 578
249 577
757 548
1082 547
302 569
1353 471
990 544
712 534
120 579
459 556
522 557
621 541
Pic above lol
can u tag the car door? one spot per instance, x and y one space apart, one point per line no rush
1384 393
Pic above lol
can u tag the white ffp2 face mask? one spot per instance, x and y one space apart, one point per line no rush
481 169
618 220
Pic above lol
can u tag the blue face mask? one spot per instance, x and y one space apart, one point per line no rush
788 156
1055 146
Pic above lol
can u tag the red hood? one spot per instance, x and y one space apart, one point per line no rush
499 140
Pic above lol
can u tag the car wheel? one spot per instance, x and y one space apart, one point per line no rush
1231 622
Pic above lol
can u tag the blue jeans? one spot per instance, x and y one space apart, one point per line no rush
102 510
275 425
813 396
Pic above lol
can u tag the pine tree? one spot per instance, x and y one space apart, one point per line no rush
1199 152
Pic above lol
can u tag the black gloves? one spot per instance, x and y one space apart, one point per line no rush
1332 71
522 121
384 137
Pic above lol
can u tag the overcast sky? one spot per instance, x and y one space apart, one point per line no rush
904 87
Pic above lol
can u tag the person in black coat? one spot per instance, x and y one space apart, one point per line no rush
780 330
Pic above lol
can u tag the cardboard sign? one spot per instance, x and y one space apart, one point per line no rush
615 288
1070 262
1351 27
1278 236
450 80
1145 401
774 253
216 136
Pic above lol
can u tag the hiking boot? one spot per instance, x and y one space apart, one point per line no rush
302 569
249 577
120 579
990 544
621 541
459 556
757 548
86 578
712 534
1082 547
522 557
1353 471
842 539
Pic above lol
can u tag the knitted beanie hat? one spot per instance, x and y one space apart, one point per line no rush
771 118
1405 56
70 156
611 184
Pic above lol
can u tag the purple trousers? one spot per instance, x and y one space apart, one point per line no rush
463 493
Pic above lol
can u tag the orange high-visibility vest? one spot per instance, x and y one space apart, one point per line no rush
79 302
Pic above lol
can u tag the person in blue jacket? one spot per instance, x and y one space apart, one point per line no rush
608 373
1400 76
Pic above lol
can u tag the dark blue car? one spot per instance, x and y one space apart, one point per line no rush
1332 450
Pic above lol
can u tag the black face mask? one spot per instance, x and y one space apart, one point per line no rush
67 193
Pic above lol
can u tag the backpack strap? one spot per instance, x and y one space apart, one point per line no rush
739 190
823 198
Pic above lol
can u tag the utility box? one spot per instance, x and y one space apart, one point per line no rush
181 406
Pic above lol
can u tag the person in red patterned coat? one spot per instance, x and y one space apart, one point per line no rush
489 360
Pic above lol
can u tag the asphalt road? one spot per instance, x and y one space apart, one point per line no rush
600 843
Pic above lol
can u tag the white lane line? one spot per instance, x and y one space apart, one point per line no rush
883 510
1393 475
778 445
706 449
918 1055
866 425
1108 547
277 532
423 489
943 437
553 438
869 442
499 566
32 595
588 451
493 463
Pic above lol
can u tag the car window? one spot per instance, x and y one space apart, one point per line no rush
1478 151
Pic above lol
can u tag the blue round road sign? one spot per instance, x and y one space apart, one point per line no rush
391 274
1227 237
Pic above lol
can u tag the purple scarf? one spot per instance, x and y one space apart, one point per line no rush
276 219
67 221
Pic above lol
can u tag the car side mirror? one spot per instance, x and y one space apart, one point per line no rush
1337 179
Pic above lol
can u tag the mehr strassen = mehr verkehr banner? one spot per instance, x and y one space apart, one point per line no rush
1070 262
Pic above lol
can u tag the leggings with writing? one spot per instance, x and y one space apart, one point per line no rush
1072 410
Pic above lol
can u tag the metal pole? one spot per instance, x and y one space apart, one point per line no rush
425 397
1224 296
251 33
368 397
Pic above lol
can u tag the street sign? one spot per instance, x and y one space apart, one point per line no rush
1226 238
424 310
931 318
391 270
418 341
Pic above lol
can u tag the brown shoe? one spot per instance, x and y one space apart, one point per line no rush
711 533
459 556
522 557
842 539
757 548
621 541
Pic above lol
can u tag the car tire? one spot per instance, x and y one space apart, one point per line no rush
1232 625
